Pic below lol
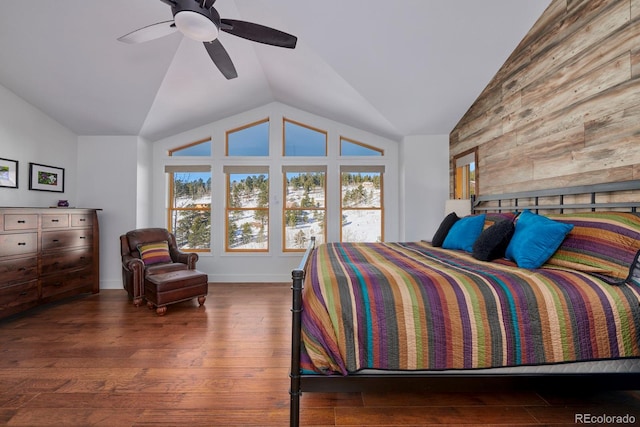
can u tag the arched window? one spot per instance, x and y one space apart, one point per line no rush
349 147
249 140
303 140
199 148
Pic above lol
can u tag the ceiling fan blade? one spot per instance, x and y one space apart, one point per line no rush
258 33
150 32
221 58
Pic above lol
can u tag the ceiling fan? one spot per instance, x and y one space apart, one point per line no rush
200 21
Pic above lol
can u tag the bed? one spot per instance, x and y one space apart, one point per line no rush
552 294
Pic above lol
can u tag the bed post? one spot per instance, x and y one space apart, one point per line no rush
297 277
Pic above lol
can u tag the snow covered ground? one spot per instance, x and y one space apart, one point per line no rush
358 225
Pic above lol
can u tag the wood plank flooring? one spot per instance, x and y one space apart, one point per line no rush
99 361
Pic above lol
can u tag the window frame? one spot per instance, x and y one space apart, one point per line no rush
229 170
462 174
361 144
302 170
171 151
171 209
286 120
353 169
241 128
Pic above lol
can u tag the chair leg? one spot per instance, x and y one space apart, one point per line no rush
201 300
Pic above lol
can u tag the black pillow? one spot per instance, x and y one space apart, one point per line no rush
634 270
444 228
492 243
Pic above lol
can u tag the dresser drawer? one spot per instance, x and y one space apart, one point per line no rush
16 298
18 270
55 221
20 222
66 260
18 244
81 220
62 283
66 239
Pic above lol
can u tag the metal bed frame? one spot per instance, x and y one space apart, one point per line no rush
554 199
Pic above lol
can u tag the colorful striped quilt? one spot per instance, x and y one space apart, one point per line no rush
410 306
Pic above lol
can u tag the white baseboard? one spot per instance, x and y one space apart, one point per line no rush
111 284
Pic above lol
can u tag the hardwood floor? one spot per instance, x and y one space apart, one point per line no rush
99 361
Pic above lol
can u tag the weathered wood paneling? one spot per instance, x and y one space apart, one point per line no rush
565 107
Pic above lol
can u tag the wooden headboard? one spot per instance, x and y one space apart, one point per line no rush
623 195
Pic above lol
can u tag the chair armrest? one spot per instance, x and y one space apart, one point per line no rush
132 264
189 258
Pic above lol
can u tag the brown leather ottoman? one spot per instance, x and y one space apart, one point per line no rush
163 289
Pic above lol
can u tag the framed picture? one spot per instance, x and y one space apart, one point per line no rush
8 173
46 178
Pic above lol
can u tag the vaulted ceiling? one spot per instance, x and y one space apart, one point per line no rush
394 68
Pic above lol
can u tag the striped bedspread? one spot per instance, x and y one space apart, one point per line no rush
408 306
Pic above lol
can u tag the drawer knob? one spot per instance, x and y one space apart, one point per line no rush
23 294
22 221
82 219
55 220
55 240
22 243
83 237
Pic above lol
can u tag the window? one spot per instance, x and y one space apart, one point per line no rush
189 212
247 208
349 147
198 149
361 204
303 140
349 208
304 206
465 180
249 140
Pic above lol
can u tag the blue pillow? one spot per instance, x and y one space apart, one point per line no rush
464 233
535 239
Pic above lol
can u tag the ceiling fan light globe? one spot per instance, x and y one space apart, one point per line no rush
196 26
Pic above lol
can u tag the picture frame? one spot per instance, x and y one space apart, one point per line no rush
8 173
46 178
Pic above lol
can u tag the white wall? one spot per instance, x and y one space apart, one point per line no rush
29 135
425 184
144 187
275 265
107 170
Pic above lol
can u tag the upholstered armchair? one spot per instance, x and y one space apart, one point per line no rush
148 251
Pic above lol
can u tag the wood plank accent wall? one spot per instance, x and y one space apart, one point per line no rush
565 107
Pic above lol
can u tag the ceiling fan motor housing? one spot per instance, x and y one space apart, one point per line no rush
195 21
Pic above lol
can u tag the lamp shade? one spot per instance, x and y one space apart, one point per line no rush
196 26
462 207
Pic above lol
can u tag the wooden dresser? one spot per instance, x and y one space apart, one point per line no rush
46 254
